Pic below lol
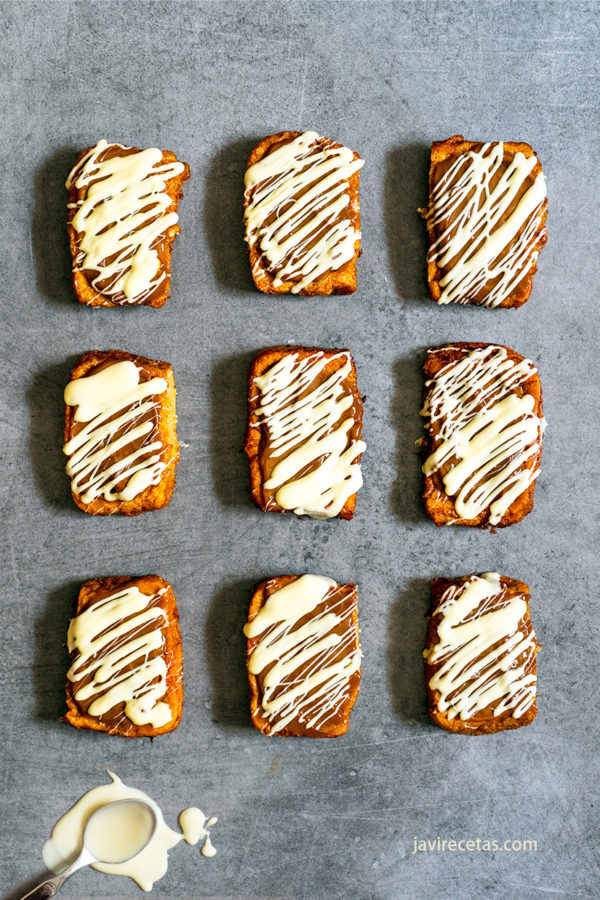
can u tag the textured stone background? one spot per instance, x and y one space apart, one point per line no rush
301 818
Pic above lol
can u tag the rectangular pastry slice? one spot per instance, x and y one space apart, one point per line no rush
122 223
480 654
304 431
302 214
486 221
303 656
120 436
484 427
126 675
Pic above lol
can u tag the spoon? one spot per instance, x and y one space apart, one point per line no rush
114 833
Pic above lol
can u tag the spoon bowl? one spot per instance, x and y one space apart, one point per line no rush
118 831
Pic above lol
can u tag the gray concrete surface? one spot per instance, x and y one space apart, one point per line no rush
307 819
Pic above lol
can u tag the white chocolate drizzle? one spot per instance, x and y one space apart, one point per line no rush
296 200
146 867
484 226
489 439
119 412
306 425
121 219
327 659
116 641
485 651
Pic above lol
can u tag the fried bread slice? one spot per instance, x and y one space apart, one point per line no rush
303 656
120 433
304 431
486 221
480 654
122 223
302 214
126 675
484 426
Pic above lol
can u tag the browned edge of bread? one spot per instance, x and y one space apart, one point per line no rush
438 504
453 146
147 584
156 496
338 281
459 726
83 289
254 432
258 719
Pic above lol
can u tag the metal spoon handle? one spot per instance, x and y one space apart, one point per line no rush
43 890
49 887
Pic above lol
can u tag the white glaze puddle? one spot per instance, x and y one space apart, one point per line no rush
151 863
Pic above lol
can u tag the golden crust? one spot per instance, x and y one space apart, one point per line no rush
340 281
147 584
258 719
156 496
83 289
438 504
469 726
254 435
453 146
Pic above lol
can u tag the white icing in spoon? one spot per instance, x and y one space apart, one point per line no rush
119 831
146 867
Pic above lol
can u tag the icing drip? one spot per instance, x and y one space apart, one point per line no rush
487 437
121 219
485 651
297 209
116 641
117 454
194 825
309 422
306 653
488 226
